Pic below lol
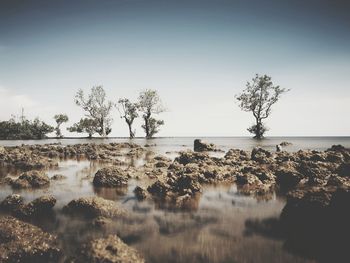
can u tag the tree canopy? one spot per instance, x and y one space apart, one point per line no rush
150 103
97 107
129 112
258 97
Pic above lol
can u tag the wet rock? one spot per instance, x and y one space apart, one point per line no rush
110 177
285 143
38 206
191 157
260 155
23 242
12 202
159 189
337 148
344 170
92 207
58 177
140 193
279 148
110 249
31 179
287 179
15 205
200 146
237 155
316 222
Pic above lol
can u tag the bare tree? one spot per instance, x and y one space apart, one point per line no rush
97 108
258 97
150 103
60 118
128 111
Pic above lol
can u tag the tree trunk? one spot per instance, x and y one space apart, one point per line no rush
103 132
147 117
131 134
258 133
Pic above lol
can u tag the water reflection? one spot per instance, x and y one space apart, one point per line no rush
210 230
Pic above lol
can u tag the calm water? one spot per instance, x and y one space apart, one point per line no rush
173 144
214 231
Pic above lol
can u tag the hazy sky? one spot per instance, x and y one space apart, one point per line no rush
197 54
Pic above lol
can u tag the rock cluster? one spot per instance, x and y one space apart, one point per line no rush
30 179
200 146
93 207
109 249
257 172
110 177
23 242
14 204
30 157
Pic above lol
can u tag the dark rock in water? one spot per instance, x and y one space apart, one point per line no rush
285 144
11 203
287 179
260 155
316 223
23 242
110 177
58 177
279 148
191 157
110 249
200 146
159 188
92 207
140 193
39 206
14 205
344 170
34 179
237 155
337 148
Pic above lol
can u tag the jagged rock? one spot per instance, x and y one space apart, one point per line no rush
93 207
110 249
344 170
11 203
38 206
110 177
140 193
23 242
260 155
14 205
30 179
287 179
191 157
285 144
200 146
58 177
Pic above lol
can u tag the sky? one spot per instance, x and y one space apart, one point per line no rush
196 53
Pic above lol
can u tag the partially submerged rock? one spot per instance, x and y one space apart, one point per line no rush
31 179
287 179
92 207
110 249
140 193
260 155
23 242
58 177
110 177
14 204
200 146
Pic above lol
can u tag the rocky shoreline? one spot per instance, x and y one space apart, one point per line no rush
315 183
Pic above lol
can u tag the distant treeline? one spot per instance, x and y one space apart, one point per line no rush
258 97
24 129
